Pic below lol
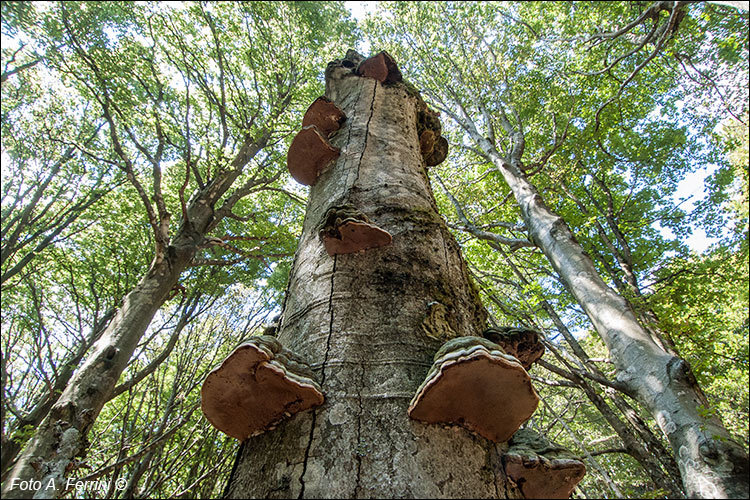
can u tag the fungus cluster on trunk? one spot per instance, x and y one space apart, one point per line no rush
381 67
474 384
521 343
325 115
310 152
346 230
432 145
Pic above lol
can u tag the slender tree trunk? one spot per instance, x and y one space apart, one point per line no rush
11 447
131 488
631 444
711 464
645 451
645 455
358 319
50 455
629 289
50 458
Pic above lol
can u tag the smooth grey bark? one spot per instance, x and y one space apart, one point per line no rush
358 319
630 442
739 5
11 447
624 258
711 464
50 457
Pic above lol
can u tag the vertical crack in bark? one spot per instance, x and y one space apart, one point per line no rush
322 382
231 478
496 464
307 454
367 130
330 323
361 449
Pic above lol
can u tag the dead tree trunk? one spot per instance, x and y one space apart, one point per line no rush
370 322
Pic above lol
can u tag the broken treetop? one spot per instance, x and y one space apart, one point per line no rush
311 152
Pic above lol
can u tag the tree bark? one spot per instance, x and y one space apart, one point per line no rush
11 447
50 457
711 464
359 319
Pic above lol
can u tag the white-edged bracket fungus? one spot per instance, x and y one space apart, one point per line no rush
381 67
256 386
473 383
540 469
325 115
521 343
346 230
309 153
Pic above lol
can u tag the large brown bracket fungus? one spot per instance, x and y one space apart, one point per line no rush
521 343
381 67
473 383
309 153
346 230
540 469
258 385
325 115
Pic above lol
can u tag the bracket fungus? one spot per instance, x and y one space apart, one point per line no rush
256 386
473 383
521 343
540 469
381 67
346 230
309 153
439 152
325 115
432 145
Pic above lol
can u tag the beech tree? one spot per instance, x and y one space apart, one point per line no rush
123 122
369 313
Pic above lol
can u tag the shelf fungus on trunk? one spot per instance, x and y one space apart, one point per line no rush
381 67
256 386
309 153
540 469
347 230
521 343
325 115
473 383
432 145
